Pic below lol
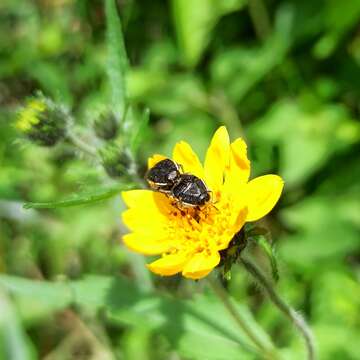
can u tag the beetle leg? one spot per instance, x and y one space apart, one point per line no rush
180 167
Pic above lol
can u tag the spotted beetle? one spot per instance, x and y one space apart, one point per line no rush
190 191
186 189
164 175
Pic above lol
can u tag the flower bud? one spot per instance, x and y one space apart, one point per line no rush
116 160
230 255
42 121
106 126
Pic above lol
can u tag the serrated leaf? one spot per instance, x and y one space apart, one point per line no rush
80 199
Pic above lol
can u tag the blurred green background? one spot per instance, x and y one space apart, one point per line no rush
285 75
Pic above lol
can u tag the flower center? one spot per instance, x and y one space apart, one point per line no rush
206 229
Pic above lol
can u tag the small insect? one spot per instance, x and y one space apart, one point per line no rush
186 189
190 191
164 176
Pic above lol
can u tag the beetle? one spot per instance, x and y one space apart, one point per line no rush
186 189
190 191
164 175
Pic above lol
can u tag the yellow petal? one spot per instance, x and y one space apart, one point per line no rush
201 264
261 195
239 167
183 154
146 244
147 210
217 159
240 219
148 201
153 160
139 221
134 198
168 265
236 222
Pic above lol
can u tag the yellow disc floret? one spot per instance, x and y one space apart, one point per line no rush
42 121
29 115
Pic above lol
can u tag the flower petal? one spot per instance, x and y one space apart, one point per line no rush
201 264
183 154
168 265
148 210
148 200
135 198
217 159
239 167
153 160
146 244
137 220
261 195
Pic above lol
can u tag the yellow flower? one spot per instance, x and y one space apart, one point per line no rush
190 240
29 115
42 121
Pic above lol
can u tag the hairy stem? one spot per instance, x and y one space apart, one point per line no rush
268 353
81 145
287 310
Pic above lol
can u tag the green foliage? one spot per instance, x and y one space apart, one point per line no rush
81 199
195 21
117 58
187 324
287 79
13 340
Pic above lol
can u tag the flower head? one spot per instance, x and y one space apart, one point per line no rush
42 121
190 239
115 159
30 114
106 126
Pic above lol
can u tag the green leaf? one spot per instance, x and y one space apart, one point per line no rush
53 79
269 251
36 299
80 199
194 21
140 132
317 133
326 230
239 69
117 59
262 238
196 328
14 343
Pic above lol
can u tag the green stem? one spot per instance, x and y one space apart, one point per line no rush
81 145
260 18
269 353
297 320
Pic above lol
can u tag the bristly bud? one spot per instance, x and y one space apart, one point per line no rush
106 126
230 255
42 121
116 160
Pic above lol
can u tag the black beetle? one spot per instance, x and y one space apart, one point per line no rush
164 175
190 191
